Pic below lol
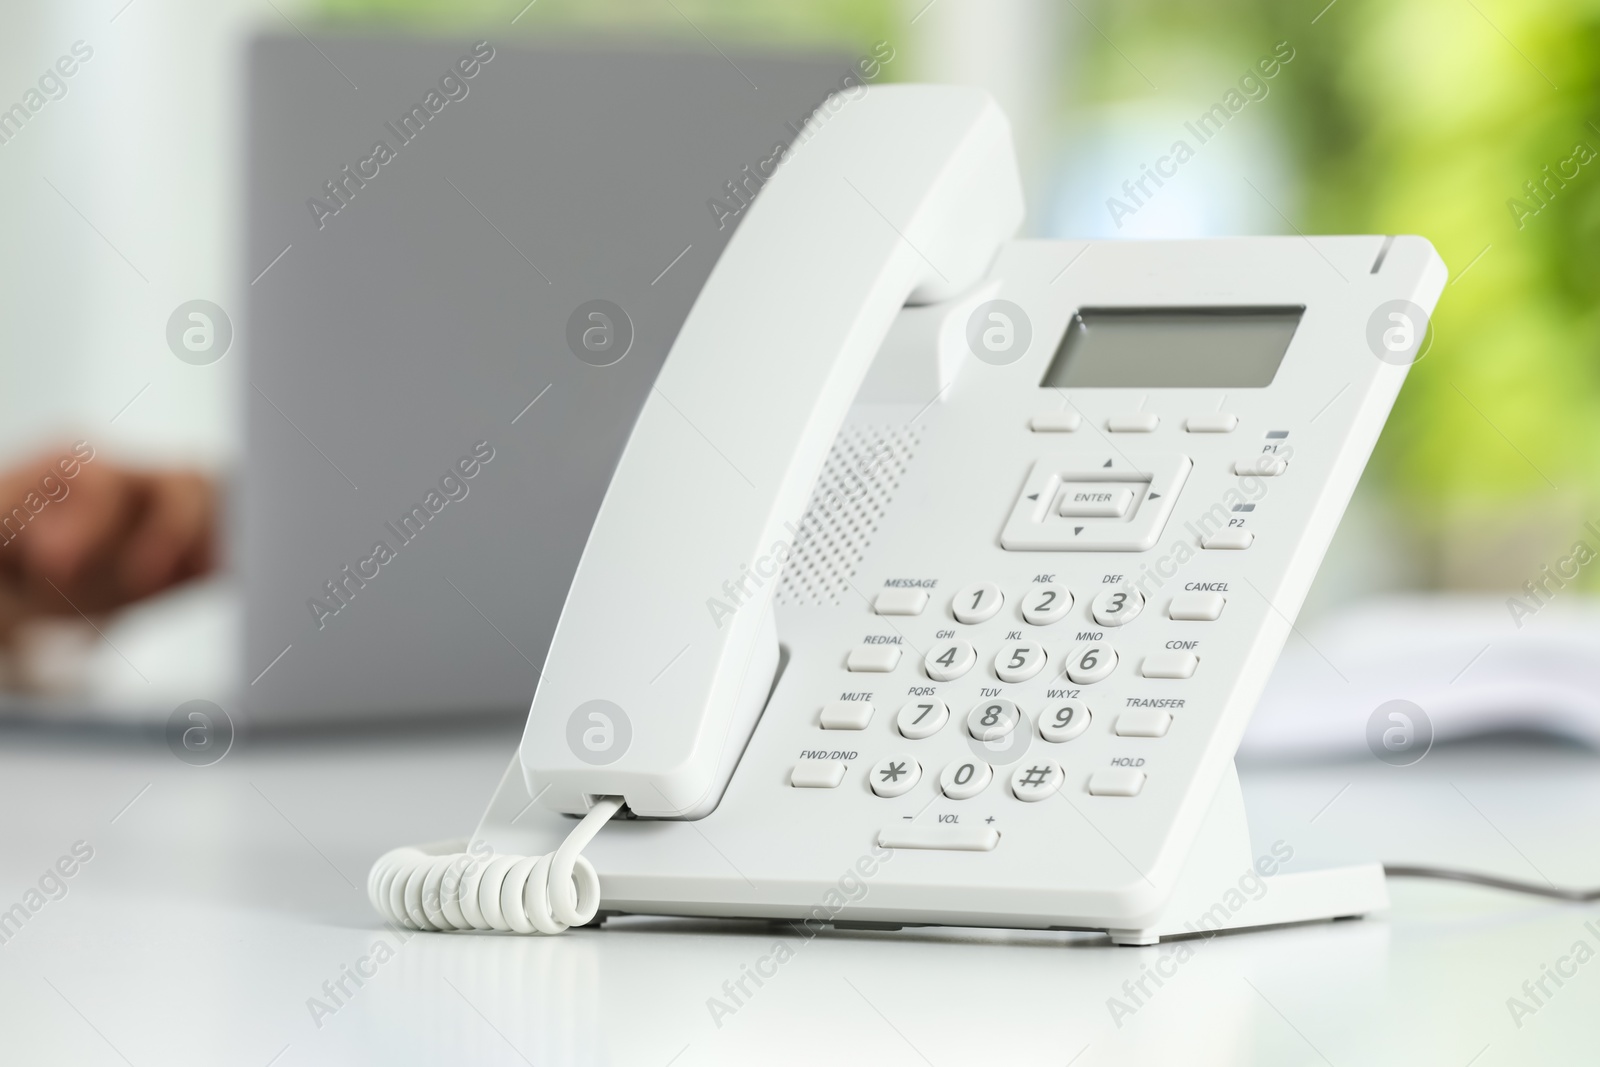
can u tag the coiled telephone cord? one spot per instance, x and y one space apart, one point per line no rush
441 887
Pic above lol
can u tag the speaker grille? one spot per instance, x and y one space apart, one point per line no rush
857 484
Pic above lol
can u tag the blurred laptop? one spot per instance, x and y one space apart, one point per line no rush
465 263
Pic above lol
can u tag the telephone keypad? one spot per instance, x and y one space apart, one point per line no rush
922 718
895 776
1019 662
1091 663
977 602
949 660
991 720
965 779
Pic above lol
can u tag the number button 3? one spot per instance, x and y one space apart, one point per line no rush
1116 607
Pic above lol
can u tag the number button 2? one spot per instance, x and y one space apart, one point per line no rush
1091 663
1046 604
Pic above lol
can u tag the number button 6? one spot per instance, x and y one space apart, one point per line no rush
1091 663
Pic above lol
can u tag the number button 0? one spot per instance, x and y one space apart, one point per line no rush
993 719
919 719
1114 607
977 602
949 660
962 781
1018 663
894 776
1046 604
1063 721
1090 664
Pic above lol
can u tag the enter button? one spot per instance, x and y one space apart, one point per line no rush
1090 502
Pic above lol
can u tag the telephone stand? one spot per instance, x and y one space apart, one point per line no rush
1221 888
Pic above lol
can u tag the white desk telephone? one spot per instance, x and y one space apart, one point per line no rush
942 565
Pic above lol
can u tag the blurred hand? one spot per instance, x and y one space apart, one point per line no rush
79 533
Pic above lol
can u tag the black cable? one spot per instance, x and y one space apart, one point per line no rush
1450 874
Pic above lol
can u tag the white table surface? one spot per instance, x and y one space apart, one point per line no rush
222 898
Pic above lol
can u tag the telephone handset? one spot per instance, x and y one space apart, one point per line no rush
1031 531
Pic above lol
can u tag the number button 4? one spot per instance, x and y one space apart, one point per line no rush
1091 663
918 720
949 660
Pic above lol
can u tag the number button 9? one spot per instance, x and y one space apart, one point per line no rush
1063 721
1046 604
1091 663
1115 607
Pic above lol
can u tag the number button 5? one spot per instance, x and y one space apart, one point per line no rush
1018 663
1091 664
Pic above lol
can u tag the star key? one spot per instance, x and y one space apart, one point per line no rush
894 776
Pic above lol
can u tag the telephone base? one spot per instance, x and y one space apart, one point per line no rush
1222 887
1300 897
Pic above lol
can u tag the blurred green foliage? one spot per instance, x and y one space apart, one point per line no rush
1421 116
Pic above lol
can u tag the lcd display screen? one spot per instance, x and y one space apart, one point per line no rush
1153 348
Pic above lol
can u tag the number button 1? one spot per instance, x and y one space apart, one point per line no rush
1091 664
1046 604
1114 607
1063 721
977 602
962 781
949 660
920 719
1018 663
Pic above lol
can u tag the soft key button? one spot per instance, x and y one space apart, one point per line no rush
1116 782
846 715
1169 665
940 836
901 602
877 659
1056 422
977 602
1265 465
949 660
1018 663
1144 722
1046 604
1196 607
1229 538
894 776
1137 422
1092 502
1216 422
816 774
